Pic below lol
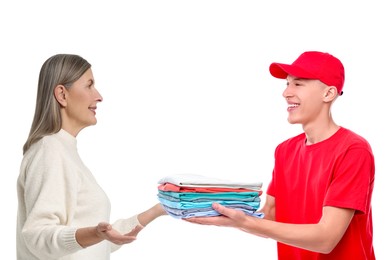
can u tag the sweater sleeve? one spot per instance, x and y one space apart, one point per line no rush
124 226
50 191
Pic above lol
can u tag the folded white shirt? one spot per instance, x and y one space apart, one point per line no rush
196 180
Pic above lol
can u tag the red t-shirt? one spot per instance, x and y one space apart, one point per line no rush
337 172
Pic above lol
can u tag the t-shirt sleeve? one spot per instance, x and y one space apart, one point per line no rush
352 182
271 188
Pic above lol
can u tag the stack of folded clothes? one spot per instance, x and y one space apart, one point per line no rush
192 195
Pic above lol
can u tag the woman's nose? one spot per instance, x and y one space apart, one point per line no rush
99 97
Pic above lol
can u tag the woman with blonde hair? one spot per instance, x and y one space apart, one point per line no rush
63 213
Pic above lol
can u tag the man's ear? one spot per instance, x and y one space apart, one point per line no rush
60 93
330 94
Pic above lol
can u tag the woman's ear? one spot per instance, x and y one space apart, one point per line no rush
330 94
60 93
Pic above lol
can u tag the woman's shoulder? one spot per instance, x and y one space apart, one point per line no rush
48 144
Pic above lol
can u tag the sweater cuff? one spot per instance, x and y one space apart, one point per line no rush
126 225
68 235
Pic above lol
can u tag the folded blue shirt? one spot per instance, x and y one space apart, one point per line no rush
205 212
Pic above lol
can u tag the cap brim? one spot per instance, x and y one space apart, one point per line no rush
281 71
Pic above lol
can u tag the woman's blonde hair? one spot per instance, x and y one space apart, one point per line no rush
60 69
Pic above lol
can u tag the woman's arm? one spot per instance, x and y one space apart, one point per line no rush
89 236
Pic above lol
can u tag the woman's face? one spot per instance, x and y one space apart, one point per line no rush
81 104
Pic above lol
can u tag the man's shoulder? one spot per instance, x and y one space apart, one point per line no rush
292 142
294 139
352 138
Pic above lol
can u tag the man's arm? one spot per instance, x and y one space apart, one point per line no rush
321 237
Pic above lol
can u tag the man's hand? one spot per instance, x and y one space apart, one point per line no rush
229 217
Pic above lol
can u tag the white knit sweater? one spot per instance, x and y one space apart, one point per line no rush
56 195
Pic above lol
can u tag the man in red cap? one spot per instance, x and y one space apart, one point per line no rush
318 204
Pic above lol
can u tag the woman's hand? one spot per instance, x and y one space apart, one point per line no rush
106 232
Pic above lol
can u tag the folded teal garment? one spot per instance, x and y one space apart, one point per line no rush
204 204
202 199
191 196
243 207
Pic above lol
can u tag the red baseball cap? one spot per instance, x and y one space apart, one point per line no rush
313 65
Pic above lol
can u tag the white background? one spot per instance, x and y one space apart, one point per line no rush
186 89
